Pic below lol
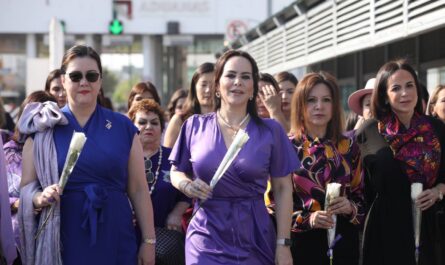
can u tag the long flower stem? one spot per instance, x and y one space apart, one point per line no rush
50 212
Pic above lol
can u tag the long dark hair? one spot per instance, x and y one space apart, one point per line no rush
54 74
192 105
286 76
177 95
219 69
268 78
379 106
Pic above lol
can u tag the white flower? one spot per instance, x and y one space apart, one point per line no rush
416 189
240 140
332 192
77 141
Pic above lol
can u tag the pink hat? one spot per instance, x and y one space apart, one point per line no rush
354 100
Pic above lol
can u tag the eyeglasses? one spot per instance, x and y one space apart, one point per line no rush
148 174
91 77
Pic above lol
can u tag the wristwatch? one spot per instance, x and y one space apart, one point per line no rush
284 242
150 241
440 194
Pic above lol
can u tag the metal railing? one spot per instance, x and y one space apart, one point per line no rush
339 27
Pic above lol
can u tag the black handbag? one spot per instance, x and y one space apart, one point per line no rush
170 247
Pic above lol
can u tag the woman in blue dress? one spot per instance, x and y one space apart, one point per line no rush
232 226
95 214
169 204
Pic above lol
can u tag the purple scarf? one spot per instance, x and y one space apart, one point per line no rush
6 236
40 119
417 147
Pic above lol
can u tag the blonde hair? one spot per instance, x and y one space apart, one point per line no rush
433 100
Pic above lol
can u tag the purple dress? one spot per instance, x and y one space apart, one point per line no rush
233 227
13 156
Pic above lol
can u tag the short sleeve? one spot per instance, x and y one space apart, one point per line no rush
284 159
180 155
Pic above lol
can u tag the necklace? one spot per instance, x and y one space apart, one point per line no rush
156 175
230 126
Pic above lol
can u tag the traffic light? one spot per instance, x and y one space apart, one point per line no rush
116 27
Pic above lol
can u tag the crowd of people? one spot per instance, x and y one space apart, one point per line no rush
142 190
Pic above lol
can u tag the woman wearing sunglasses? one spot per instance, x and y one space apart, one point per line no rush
92 223
169 204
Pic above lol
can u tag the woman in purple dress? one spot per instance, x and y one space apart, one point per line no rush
13 156
232 226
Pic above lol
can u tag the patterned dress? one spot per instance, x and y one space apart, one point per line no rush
324 162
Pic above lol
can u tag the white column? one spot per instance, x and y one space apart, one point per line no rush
432 79
149 52
89 41
31 46
152 52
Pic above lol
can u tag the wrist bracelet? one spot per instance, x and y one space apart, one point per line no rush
150 241
439 193
185 187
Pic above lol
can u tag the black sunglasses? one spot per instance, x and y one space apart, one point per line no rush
148 174
91 77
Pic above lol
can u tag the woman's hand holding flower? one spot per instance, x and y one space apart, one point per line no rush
321 219
340 205
427 198
196 189
47 197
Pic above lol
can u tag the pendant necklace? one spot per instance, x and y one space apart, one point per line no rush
246 118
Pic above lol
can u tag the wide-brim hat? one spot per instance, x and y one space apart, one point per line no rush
355 99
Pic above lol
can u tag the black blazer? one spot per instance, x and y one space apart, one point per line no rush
389 235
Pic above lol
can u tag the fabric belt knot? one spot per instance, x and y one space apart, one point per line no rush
96 198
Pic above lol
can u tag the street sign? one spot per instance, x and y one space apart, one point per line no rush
235 29
116 27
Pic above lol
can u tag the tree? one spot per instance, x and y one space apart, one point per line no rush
122 91
109 82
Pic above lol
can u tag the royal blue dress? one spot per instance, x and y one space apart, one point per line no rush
96 219
164 196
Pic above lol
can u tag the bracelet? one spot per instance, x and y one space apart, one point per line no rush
185 187
439 193
150 241
284 242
